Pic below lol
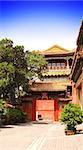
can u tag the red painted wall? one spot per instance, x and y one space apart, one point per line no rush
27 107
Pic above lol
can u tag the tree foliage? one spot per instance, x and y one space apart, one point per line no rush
13 67
36 64
16 68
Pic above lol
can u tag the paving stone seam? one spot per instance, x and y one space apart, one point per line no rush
29 147
35 144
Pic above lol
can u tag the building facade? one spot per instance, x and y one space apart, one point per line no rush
77 71
49 96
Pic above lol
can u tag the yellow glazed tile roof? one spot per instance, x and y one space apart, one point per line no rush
56 50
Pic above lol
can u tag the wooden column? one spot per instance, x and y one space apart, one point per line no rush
67 64
82 93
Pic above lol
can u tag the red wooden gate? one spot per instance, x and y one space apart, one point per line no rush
47 109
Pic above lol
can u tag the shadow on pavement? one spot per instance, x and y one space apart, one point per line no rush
8 126
42 122
29 123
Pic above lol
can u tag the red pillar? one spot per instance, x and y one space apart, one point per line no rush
34 110
56 110
74 93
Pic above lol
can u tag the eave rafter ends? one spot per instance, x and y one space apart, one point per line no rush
80 34
78 56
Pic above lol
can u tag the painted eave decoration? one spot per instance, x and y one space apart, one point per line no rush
65 99
57 73
50 86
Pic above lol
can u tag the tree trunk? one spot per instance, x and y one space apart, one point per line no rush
12 96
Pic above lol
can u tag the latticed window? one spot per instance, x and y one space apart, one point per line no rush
53 65
50 65
62 65
58 65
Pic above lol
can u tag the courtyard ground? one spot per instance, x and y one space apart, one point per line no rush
39 136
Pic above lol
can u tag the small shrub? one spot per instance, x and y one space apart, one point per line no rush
3 111
10 115
15 115
71 115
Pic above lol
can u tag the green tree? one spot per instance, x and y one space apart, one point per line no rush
6 65
17 68
13 68
36 64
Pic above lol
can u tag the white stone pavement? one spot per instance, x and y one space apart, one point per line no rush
41 136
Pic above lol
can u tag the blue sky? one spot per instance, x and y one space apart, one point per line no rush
39 25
